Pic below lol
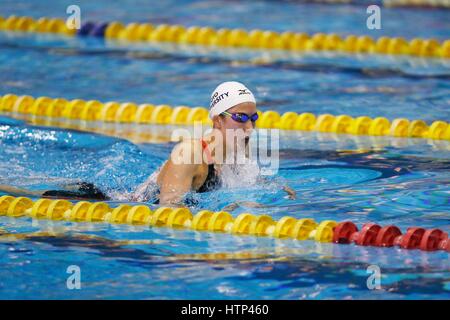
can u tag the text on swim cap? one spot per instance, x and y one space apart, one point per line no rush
216 98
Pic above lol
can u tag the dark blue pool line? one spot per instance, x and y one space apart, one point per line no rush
95 29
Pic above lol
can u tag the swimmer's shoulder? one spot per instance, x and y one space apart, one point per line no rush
189 153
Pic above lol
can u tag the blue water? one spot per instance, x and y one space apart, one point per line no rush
386 180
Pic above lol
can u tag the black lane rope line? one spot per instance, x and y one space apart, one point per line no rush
372 160
378 73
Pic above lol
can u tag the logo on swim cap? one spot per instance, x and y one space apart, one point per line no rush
244 91
227 95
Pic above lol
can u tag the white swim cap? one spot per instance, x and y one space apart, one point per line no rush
227 95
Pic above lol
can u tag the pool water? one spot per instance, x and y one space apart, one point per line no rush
380 179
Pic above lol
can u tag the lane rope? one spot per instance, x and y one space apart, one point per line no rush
225 37
346 232
129 112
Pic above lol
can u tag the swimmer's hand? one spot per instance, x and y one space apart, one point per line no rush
248 204
292 195
230 207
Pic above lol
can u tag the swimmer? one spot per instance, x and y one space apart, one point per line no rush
232 108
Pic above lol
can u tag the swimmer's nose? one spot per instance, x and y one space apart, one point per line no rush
249 125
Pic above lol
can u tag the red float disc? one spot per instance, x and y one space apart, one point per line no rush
343 232
411 239
387 235
431 239
368 234
445 245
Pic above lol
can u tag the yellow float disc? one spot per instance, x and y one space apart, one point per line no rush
197 114
303 228
305 121
57 208
365 44
379 126
42 24
287 120
175 32
118 214
97 211
332 42
143 31
299 41
23 104
144 113
55 25
287 38
113 29
219 220
415 46
139 215
360 125
260 224
5 201
254 38
269 119
56 107
429 48
417 128
126 112
237 38
178 217
91 110
242 223
74 109
10 23
201 220
205 35
445 49
161 114
399 128
108 111
349 43
381 46
7 102
324 123
18 206
324 231
397 46
437 130
160 216
40 207
283 227
342 124
78 211
179 115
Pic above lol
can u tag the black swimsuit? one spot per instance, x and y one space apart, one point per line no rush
85 191
88 191
212 182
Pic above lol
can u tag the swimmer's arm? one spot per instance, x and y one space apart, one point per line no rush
138 194
180 172
292 195
13 191
176 183
251 204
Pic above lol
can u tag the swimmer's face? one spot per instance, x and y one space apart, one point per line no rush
224 122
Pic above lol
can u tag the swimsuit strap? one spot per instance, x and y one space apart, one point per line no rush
207 151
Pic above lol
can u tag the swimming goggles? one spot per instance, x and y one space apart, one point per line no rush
241 117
